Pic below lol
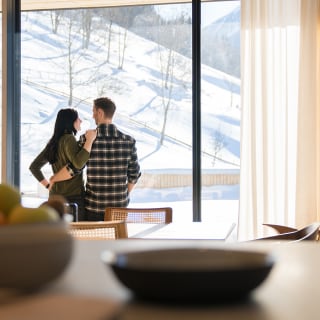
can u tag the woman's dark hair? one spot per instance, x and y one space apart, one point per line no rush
64 124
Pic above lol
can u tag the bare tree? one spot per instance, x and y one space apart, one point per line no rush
76 63
122 44
86 27
232 86
219 142
69 63
56 16
125 21
167 71
109 40
124 18
171 37
108 16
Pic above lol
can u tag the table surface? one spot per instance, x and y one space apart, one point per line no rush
181 230
89 290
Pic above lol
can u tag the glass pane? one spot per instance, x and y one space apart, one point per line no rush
139 56
220 109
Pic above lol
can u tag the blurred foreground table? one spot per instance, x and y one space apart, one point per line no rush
89 290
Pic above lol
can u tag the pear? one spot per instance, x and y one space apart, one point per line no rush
9 198
21 214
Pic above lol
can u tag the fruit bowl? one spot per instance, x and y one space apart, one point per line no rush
34 254
190 274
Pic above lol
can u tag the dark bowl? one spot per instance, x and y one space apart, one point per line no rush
190 274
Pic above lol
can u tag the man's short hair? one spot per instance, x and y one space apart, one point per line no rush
106 105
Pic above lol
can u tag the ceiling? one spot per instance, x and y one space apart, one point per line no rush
33 5
27 5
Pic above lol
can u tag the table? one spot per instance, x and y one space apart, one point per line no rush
181 230
89 290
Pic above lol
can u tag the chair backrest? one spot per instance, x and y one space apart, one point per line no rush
309 232
280 228
139 215
99 230
72 209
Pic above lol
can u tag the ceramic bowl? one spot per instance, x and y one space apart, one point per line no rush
33 255
190 274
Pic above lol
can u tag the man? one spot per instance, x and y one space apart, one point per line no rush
112 169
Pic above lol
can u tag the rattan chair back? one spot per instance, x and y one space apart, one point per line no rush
139 215
99 230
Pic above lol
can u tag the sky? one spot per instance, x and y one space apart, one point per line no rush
135 89
210 11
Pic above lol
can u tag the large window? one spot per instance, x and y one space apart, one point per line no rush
220 108
141 57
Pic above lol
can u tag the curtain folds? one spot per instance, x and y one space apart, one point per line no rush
308 142
279 136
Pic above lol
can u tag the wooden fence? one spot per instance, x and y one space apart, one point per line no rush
183 178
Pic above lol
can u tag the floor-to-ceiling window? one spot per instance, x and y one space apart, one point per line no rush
141 57
220 107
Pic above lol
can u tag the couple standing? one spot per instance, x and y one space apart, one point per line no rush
109 155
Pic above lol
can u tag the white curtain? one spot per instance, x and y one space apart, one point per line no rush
308 143
279 135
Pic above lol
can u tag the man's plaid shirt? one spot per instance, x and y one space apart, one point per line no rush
113 163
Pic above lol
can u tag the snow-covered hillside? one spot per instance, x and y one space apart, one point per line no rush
136 90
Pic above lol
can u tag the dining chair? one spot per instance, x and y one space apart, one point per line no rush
309 232
72 209
64 208
280 228
139 215
99 230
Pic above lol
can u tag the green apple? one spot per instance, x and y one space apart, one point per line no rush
20 214
9 198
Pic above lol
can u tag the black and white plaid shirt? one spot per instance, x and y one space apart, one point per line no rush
113 163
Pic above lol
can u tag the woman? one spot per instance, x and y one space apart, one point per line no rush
61 149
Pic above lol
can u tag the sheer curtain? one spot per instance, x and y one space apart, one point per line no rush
308 160
280 103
